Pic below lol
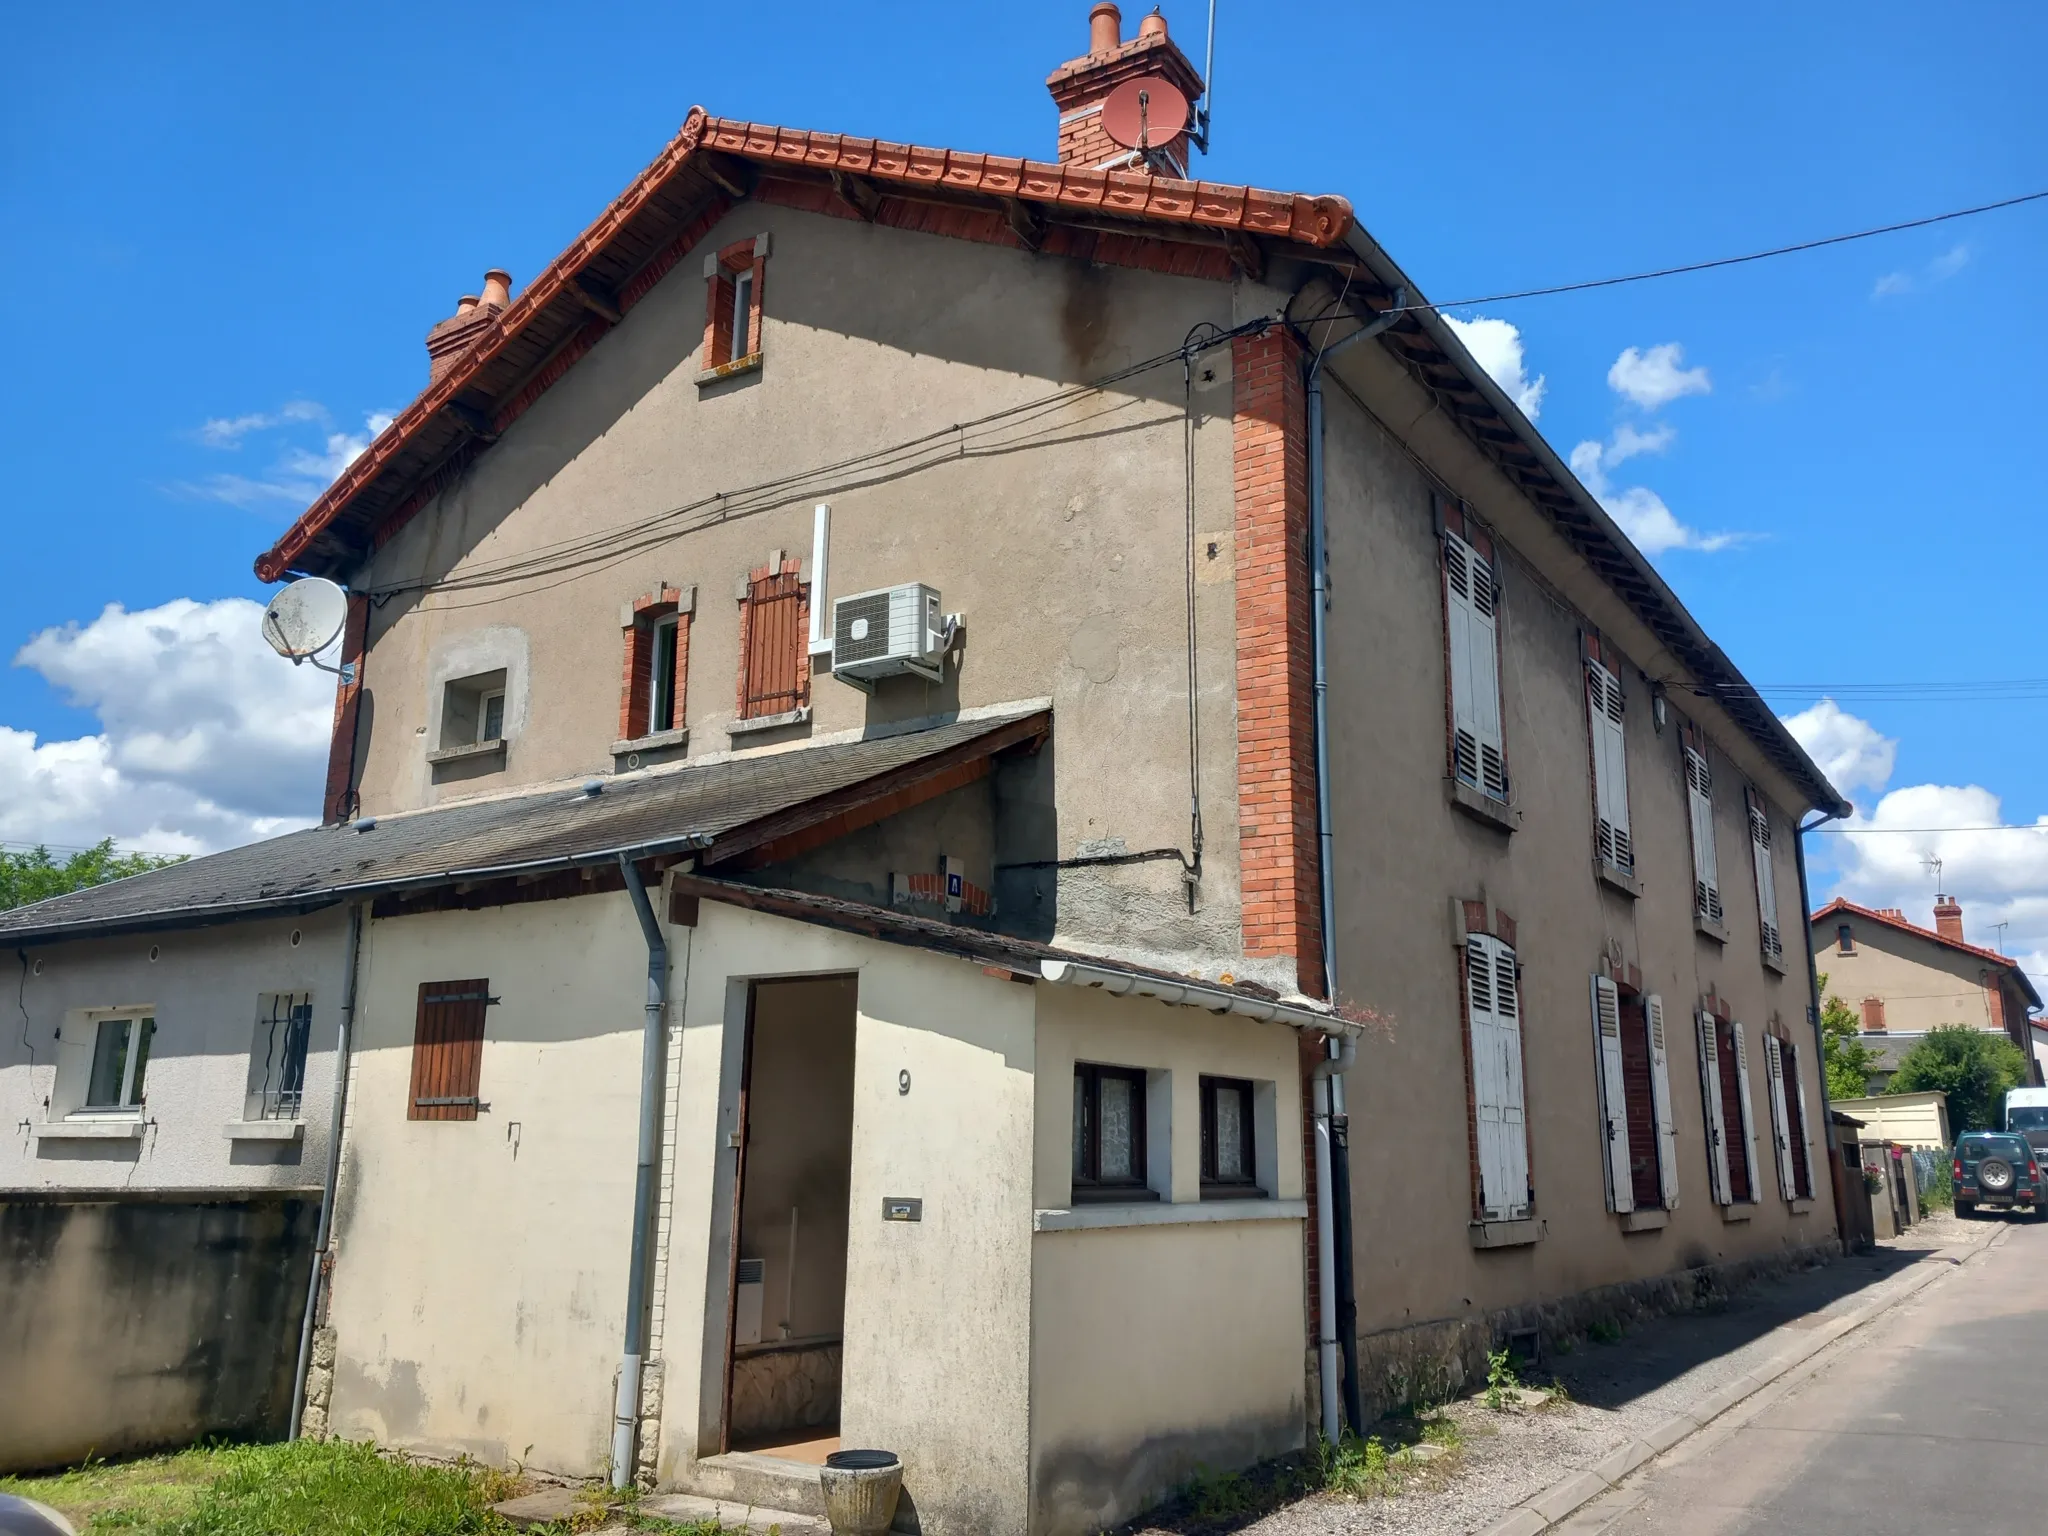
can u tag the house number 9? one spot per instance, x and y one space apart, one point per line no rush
903 1081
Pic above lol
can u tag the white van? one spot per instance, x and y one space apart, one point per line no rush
2026 1111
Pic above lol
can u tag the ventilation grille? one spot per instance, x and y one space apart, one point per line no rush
860 629
753 1271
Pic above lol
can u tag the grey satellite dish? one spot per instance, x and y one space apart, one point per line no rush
305 619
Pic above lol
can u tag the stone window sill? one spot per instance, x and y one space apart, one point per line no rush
655 741
1616 878
797 716
264 1130
1775 963
751 363
475 751
91 1128
1801 1207
1652 1220
1737 1212
1481 807
1162 1213
1505 1234
1707 928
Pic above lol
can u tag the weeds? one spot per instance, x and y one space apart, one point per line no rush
1217 1495
1353 1468
1443 1430
1501 1381
1604 1331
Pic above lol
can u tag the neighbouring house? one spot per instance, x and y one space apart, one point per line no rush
889 908
1904 980
1908 1119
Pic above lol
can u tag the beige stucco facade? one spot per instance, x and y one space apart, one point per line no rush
1921 981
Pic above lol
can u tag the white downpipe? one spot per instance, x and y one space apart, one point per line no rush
821 603
1326 1240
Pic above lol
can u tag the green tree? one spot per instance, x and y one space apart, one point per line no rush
1848 1060
36 875
1974 1067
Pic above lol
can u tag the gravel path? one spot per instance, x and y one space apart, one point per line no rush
1613 1392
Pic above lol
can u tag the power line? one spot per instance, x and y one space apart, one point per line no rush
2014 826
1729 261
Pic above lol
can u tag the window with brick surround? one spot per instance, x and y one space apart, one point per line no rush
654 693
1493 1020
775 663
1610 759
733 279
1788 1118
1731 1129
448 1050
1472 640
1634 1080
1766 877
1699 796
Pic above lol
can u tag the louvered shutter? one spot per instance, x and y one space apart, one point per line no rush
1781 1134
1470 610
1706 874
1744 1113
448 1050
1610 765
1766 880
1805 1137
1660 1090
1613 1094
1494 1009
1710 1093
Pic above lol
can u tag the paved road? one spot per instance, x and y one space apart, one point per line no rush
1934 1418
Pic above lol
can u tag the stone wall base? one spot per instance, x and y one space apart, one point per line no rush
319 1387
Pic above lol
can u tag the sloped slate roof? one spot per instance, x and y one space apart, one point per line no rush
551 829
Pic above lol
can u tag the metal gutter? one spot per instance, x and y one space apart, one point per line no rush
626 1407
1194 994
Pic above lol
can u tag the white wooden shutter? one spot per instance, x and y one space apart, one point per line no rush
1766 880
1493 1005
1742 1104
1706 874
1781 1134
1710 1095
1613 1094
1660 1092
1610 765
1470 603
1805 1148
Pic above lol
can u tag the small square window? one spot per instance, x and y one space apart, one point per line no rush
1229 1165
1109 1134
473 711
120 1057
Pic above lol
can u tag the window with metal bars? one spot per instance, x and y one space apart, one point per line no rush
277 1056
448 1050
775 669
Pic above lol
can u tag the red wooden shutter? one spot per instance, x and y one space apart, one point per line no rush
774 672
448 1050
1733 1128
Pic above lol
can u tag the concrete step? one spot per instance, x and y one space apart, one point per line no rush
687 1508
765 1482
543 1508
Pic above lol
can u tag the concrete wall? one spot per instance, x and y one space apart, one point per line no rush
1404 853
203 989
1157 1350
1060 534
143 1322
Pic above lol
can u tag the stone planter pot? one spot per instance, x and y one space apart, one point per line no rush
860 1491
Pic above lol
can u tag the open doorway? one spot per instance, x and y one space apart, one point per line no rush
788 1290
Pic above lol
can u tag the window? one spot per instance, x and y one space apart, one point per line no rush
1229 1158
1845 940
1109 1134
1494 1044
1873 1016
732 305
1766 878
1724 1088
1610 760
1788 1119
1699 793
473 711
448 1050
120 1057
1635 1099
1471 614
775 664
657 640
277 1057
664 714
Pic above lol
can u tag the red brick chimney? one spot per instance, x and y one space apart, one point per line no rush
1948 918
1080 86
452 337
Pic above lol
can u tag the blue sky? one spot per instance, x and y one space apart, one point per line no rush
248 216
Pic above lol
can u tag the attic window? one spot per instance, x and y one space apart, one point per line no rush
732 308
1845 940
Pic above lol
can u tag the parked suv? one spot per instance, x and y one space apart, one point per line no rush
1997 1171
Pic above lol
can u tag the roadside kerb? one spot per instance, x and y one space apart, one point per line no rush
1567 1496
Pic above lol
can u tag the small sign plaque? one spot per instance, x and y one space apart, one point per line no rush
902 1208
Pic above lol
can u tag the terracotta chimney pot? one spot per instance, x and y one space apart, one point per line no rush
465 304
1153 25
1105 29
1948 918
497 289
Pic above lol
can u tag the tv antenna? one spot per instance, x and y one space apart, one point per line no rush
1198 135
2001 927
1932 864
305 619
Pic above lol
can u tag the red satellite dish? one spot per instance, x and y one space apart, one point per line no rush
1146 113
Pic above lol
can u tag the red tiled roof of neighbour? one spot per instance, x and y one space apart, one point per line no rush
1892 919
672 204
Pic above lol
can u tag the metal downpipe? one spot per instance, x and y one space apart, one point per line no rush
351 949
626 1407
1838 1174
1327 1314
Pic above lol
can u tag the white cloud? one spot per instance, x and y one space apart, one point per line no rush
1629 440
1655 378
1496 345
1651 525
207 737
1933 274
228 431
1851 751
300 473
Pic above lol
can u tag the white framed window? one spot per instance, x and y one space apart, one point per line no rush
120 1060
742 312
1610 765
491 707
1493 1014
1766 878
473 711
1471 618
1699 795
277 1056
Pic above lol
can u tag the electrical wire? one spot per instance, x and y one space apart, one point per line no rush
1729 261
2011 826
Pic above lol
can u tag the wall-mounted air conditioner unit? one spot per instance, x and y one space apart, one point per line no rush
891 631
